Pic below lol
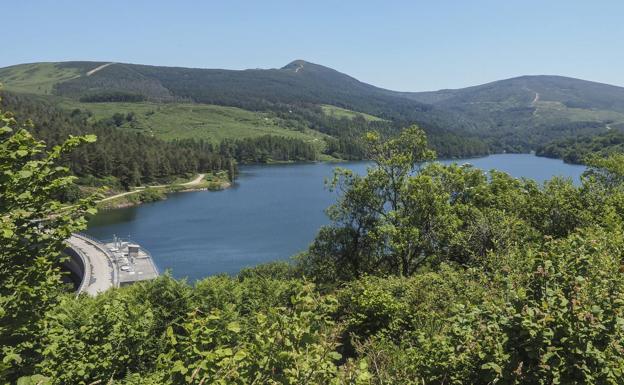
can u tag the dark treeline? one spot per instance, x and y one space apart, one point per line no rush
268 148
578 149
449 145
136 159
112 96
517 139
132 158
347 133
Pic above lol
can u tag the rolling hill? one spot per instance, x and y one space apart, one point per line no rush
299 82
515 114
528 110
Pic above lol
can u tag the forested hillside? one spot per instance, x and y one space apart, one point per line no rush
135 159
513 115
427 274
132 158
295 84
581 148
292 102
522 113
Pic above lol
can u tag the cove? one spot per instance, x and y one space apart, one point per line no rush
272 212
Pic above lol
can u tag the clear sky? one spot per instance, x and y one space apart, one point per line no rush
402 45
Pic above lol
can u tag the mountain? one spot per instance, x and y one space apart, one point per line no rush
530 109
510 115
299 82
529 90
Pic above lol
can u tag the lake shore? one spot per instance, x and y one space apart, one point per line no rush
149 194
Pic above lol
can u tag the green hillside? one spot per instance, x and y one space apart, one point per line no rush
193 121
302 99
524 112
299 83
36 78
340 113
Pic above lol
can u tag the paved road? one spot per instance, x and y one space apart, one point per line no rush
101 268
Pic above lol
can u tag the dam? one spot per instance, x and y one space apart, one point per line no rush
97 266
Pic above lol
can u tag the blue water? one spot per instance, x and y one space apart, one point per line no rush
272 212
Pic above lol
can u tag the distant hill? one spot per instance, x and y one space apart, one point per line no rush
530 109
529 90
515 114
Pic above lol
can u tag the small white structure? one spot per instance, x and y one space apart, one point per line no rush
133 250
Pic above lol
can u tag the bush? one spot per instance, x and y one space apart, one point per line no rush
566 325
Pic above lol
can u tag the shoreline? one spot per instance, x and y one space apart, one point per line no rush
157 193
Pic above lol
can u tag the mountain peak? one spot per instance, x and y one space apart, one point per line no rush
302 65
296 65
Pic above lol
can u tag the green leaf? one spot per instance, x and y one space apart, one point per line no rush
492 366
240 355
234 327
171 336
335 356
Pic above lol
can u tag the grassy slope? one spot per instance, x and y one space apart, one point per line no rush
37 78
339 113
553 112
195 121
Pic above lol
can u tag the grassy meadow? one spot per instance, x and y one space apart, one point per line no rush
194 121
36 78
339 113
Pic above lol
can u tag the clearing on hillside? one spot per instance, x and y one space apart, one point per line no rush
338 113
194 121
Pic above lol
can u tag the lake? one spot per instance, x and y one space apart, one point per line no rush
271 212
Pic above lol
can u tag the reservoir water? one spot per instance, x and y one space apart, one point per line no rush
272 212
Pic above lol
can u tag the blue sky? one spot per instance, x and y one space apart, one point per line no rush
401 45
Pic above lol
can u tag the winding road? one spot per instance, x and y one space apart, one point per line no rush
194 182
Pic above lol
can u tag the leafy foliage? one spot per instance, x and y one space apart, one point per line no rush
33 227
427 274
578 149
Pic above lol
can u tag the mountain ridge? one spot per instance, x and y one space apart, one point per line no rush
301 64
514 114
